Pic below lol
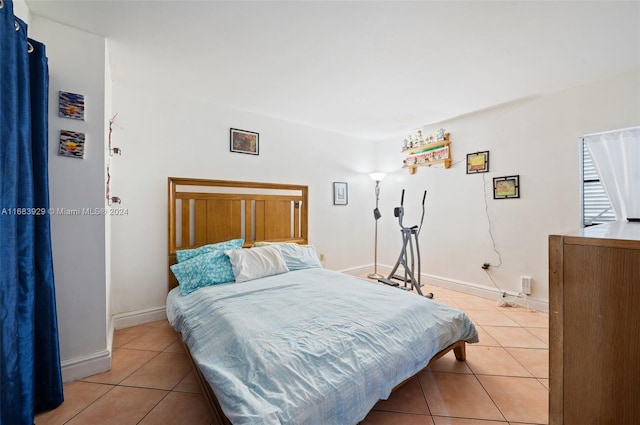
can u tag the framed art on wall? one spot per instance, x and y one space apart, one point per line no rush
71 105
506 187
340 193
71 144
243 141
478 162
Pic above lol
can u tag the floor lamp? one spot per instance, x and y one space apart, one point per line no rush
376 177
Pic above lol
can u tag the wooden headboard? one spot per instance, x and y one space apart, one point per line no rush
203 212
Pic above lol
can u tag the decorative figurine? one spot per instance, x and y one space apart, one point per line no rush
441 134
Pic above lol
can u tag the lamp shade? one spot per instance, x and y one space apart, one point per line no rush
377 176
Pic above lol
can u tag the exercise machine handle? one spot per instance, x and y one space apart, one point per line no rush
402 198
424 197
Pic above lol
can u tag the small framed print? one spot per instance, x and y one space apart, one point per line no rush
71 105
242 141
340 193
71 144
506 187
478 162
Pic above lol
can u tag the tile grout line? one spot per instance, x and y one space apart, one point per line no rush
167 391
154 406
546 346
534 335
525 366
505 348
180 380
134 371
119 383
97 383
466 419
87 406
491 398
111 385
513 357
424 396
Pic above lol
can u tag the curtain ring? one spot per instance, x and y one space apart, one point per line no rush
17 25
29 45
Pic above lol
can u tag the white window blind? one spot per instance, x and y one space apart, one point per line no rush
596 208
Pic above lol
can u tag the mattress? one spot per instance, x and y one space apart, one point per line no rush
310 346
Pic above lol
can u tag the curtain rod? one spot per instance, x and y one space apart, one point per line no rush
611 131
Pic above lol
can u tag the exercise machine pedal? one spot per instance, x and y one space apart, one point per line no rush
400 278
388 282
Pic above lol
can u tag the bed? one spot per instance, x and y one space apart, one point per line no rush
301 344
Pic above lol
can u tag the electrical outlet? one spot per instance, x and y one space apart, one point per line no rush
526 284
485 266
321 257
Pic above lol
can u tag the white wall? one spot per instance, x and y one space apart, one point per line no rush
77 64
537 139
165 134
21 10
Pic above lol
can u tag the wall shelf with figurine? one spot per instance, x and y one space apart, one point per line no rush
427 151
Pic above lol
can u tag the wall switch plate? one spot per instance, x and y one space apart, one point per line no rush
526 284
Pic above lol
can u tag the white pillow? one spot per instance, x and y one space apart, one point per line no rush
296 256
254 263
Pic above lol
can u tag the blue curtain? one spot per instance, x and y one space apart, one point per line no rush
30 378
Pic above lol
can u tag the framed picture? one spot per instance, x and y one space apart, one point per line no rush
340 193
243 141
71 105
71 144
478 162
506 187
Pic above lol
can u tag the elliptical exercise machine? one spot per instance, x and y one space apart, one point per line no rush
409 235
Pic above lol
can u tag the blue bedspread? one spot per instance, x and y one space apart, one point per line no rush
310 346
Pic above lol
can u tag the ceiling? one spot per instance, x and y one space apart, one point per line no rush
371 70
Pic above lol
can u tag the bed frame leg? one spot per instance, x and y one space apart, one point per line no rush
460 351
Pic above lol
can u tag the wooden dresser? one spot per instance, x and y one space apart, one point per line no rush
594 326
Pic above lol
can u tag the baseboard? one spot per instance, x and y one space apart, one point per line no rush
140 317
83 366
457 285
357 271
91 364
484 291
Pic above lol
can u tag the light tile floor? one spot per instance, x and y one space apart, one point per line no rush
504 380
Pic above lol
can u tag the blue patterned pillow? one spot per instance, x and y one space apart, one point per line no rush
187 254
203 270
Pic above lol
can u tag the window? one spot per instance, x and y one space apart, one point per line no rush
596 208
